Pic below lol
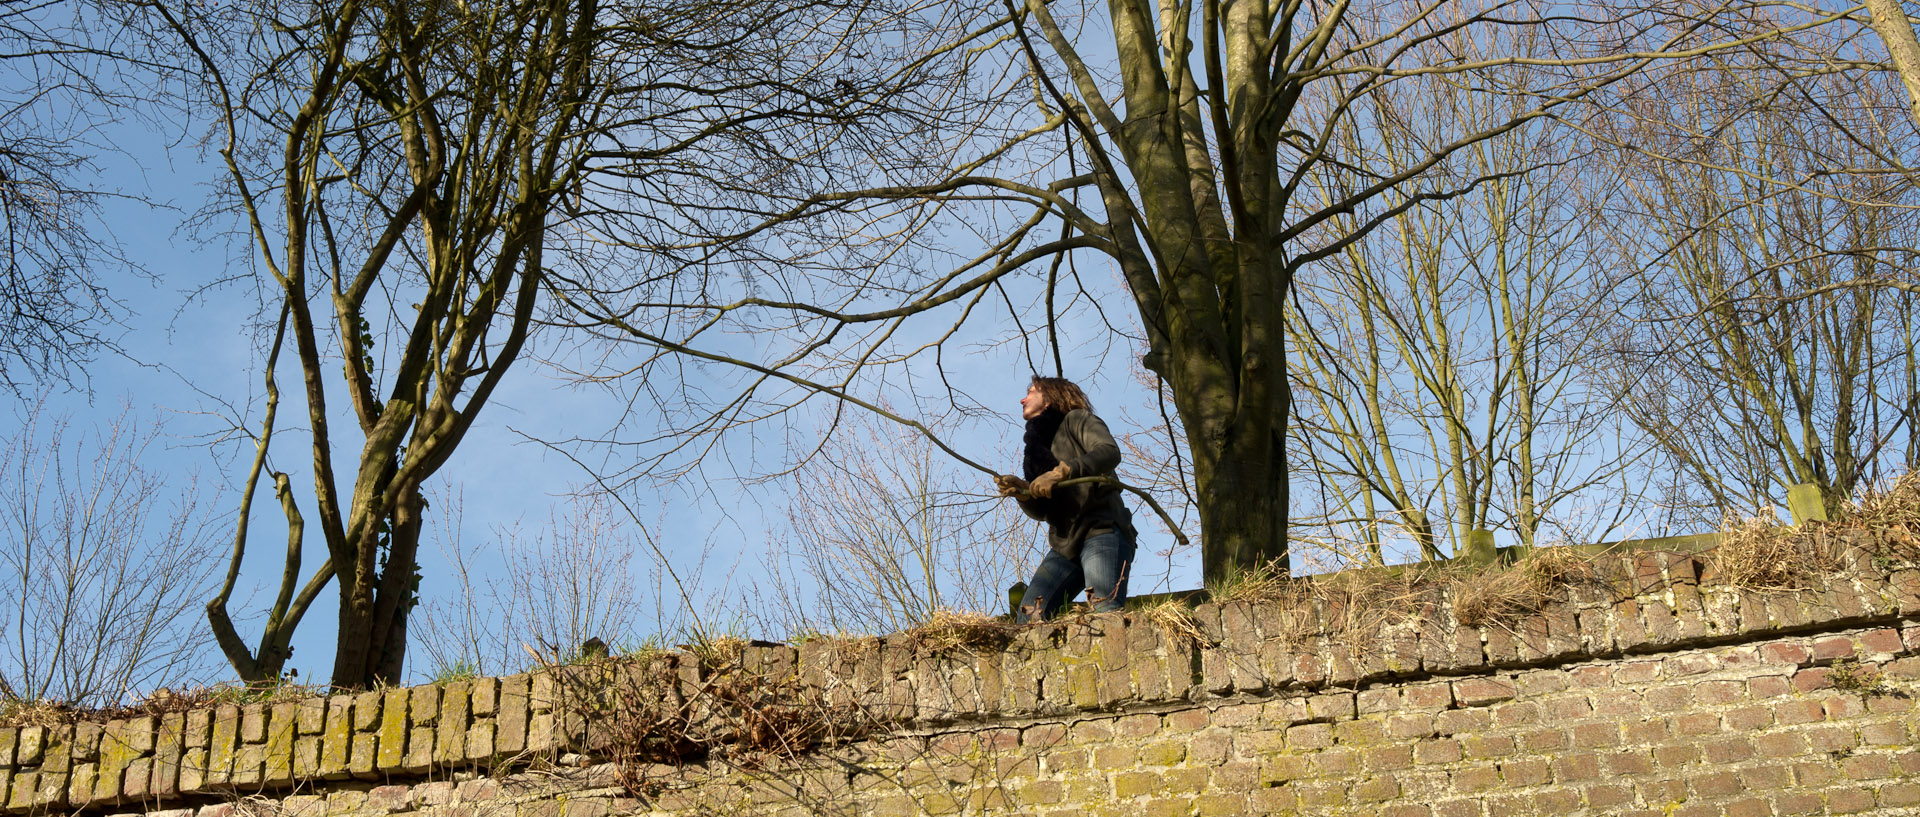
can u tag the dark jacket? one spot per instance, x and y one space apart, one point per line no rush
1075 512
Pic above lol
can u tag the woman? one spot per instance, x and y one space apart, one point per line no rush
1089 530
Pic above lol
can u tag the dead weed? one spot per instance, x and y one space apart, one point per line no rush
1757 553
1504 596
948 630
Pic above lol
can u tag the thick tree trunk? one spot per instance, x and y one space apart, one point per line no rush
1243 498
371 650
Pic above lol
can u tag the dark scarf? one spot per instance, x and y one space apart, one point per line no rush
1039 457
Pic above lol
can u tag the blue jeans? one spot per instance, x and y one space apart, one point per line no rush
1105 560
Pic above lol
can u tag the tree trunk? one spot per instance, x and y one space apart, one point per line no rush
1243 509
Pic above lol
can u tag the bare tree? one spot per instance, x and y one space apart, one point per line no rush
1440 360
413 179
58 98
102 563
1770 338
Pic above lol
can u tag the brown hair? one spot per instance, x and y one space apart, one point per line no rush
1061 394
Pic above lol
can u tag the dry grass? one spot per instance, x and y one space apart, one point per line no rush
1261 583
1501 597
1894 506
1757 553
948 630
1175 618
1893 511
15 712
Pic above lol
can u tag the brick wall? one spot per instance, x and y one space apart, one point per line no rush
1650 691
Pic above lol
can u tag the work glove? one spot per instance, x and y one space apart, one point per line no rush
1011 486
1042 485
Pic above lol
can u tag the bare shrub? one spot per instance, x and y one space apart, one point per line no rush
556 590
886 536
104 563
654 714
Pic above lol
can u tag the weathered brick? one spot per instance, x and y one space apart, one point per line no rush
1799 711
1827 649
1531 771
1576 767
1482 691
1794 653
392 753
1884 641
1310 736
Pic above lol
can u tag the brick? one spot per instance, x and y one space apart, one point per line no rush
1607 798
1786 652
1310 736
1842 707
1900 794
1210 749
1866 767
1516 713
1525 772
1849 801
1186 720
1713 784
1596 735
1668 698
1769 686
1766 777
1646 732
1440 750
1429 697
450 738
393 729
1780 744
1563 708
1377 789
1827 649
1336 763
1546 740
1628 762
1790 803
1831 739
1717 693
1576 767
1410 726
1884 641
1476 779
1389 758
1501 650
1676 756
1815 773
1332 707
1799 711
1616 703
1707 723
336 742
1728 750
1883 734
1482 691
1747 718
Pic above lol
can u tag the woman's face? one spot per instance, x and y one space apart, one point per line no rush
1033 404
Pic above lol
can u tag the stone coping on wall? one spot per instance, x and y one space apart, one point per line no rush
1639 603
